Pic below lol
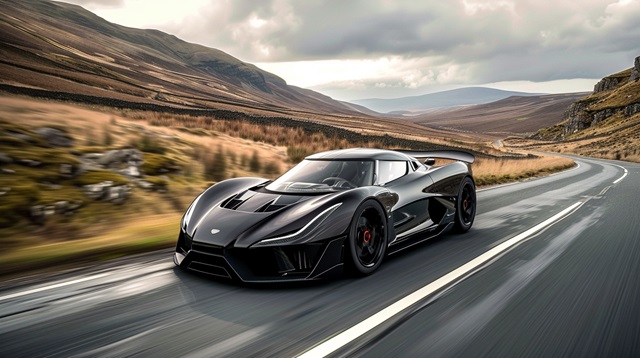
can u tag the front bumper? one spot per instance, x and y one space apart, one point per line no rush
268 264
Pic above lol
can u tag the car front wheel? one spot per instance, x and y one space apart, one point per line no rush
367 238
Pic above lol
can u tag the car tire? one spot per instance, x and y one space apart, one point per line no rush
367 239
465 206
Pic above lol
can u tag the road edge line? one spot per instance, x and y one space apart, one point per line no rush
50 287
623 175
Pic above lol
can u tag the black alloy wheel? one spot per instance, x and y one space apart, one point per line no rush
465 206
367 237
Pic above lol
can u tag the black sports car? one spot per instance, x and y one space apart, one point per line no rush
337 209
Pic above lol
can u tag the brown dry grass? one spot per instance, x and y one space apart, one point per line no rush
154 232
496 171
88 128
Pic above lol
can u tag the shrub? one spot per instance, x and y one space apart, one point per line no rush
156 164
272 168
297 154
158 183
255 164
215 167
149 145
98 176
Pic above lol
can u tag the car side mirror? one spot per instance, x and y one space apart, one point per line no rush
429 161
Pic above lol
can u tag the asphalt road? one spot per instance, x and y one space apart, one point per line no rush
571 289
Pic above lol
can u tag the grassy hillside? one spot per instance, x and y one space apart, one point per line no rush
61 47
45 183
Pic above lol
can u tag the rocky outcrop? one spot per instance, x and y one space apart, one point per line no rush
580 116
577 118
632 109
606 84
635 72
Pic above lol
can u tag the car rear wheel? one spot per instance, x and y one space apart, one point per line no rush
465 206
367 238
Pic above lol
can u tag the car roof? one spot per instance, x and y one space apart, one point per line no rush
359 154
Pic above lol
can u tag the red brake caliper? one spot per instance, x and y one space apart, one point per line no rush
367 236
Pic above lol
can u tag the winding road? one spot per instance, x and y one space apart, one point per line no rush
550 268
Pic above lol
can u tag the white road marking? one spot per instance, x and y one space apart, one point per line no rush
604 191
50 287
340 340
624 175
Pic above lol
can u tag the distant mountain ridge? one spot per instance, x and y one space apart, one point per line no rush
444 99
61 47
512 115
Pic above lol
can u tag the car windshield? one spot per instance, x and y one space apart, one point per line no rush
315 176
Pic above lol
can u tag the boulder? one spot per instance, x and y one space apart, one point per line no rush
23 137
109 158
30 162
145 184
5 159
49 210
97 191
61 207
130 171
37 214
117 194
55 137
92 156
117 157
66 170
73 206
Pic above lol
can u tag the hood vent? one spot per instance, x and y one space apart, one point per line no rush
235 201
249 201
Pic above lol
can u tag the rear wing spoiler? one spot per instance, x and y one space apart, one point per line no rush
441 154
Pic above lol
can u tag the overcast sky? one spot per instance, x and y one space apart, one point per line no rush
351 49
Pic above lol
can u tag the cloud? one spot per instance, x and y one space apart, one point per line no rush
483 34
99 3
427 42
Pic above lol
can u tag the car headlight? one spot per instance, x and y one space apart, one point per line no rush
303 232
